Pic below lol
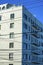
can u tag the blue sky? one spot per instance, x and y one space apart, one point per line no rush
34 6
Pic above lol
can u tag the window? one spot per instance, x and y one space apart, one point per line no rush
3 7
29 28
32 22
42 51
29 19
25 25
10 56
42 36
12 35
25 16
11 25
8 6
10 64
0 18
12 16
29 47
0 8
29 37
42 43
25 56
0 27
29 57
25 45
26 36
11 45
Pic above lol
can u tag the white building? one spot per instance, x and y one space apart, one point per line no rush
16 38
10 24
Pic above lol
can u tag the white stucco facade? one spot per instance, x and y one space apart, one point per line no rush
6 30
21 37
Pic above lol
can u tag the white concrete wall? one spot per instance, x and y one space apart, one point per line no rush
5 40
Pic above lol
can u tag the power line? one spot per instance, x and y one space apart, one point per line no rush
22 33
17 33
10 20
10 38
20 50
8 59
19 62
18 18
16 60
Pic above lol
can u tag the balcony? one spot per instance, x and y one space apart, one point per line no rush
35 44
35 63
35 34
35 60
35 50
34 53
34 26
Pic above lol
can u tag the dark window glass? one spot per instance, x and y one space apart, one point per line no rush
11 25
11 16
25 16
29 37
29 57
10 64
29 28
9 5
25 56
10 56
11 45
0 27
3 7
12 35
25 25
29 19
25 45
0 18
26 35
0 8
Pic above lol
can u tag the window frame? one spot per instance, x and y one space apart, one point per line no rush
11 25
11 35
12 16
11 45
10 56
